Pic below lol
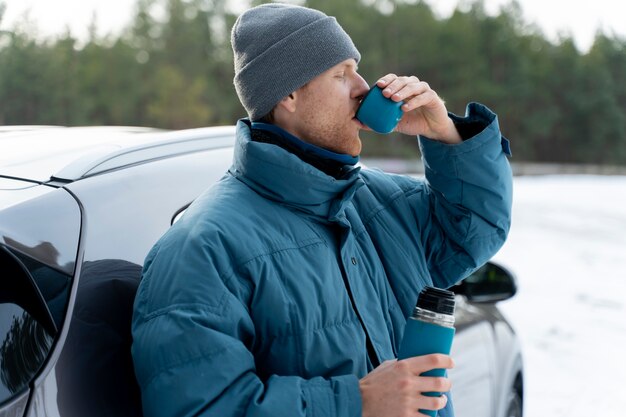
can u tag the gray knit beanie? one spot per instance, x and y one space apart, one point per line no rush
278 48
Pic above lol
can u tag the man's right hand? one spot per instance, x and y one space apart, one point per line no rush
395 389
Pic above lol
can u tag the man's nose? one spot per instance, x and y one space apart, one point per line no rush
360 87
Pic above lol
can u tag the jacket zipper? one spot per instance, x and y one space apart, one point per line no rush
371 352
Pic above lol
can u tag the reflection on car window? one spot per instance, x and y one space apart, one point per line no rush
53 285
26 327
24 346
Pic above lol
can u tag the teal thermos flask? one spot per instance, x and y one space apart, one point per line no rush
430 329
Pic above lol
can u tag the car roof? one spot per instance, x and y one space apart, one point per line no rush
24 128
66 154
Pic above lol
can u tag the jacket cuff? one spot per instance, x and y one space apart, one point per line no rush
479 160
479 121
337 396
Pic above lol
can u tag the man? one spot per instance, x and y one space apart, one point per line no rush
284 289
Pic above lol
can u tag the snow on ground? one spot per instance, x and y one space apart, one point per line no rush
567 248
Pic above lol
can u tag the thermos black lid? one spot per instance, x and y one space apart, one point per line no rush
436 300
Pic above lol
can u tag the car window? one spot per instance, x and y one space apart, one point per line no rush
53 285
27 328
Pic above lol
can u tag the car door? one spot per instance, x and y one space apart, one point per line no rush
474 356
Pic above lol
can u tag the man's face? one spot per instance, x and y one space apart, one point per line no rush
326 106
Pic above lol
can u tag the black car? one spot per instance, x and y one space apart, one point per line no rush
79 210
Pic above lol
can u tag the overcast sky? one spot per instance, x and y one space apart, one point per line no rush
581 18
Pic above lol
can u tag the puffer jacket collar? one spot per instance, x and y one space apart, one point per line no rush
281 176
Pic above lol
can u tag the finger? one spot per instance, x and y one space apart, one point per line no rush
421 364
432 403
398 84
420 100
384 81
433 384
410 90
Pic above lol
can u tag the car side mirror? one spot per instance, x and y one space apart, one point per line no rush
488 284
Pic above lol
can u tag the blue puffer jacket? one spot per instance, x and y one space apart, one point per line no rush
260 300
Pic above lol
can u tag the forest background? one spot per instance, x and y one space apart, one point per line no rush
172 68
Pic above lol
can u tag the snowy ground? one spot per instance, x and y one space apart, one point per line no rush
567 248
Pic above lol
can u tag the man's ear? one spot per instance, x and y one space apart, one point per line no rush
289 102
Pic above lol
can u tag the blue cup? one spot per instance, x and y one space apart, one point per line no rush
378 112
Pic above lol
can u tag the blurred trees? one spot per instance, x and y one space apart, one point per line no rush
172 68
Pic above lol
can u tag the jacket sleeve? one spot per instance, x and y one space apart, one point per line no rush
469 197
192 341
